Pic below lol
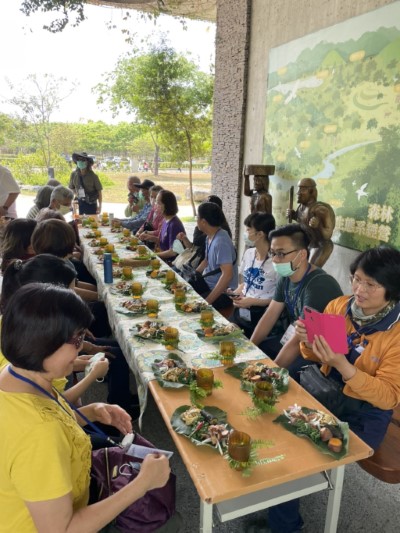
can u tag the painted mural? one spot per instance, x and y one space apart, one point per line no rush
333 114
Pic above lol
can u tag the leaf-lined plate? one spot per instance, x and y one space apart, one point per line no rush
279 377
173 375
219 333
193 307
132 308
198 421
316 426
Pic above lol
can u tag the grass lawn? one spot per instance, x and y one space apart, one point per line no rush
177 182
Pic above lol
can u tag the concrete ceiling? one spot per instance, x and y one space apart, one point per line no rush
195 9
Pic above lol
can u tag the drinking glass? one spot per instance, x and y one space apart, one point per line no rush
205 379
136 289
239 446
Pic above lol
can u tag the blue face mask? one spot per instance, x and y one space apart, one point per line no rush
284 269
81 164
140 195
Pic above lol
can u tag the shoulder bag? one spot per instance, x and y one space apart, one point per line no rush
113 469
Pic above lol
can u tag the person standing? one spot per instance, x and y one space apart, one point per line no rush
86 185
9 191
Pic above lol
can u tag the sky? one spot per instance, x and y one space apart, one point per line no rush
86 53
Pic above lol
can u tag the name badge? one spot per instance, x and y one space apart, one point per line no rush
245 314
81 193
289 333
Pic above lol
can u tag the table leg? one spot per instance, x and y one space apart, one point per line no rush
206 517
335 495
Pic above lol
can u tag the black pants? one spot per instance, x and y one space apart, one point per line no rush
87 209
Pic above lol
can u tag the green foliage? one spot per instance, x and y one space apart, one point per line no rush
65 8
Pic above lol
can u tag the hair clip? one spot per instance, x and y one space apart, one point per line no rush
18 264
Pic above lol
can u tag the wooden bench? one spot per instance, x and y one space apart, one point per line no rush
385 463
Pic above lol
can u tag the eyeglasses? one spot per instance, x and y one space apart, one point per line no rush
77 340
280 255
368 286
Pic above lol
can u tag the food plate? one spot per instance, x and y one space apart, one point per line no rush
219 333
172 373
193 307
250 373
116 230
90 235
204 427
316 425
132 307
150 331
176 285
122 287
156 274
137 257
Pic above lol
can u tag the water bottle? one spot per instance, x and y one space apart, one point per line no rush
108 270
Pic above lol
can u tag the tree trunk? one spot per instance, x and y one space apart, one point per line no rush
190 174
156 159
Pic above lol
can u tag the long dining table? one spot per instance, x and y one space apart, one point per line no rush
301 469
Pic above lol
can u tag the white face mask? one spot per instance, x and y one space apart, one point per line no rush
64 209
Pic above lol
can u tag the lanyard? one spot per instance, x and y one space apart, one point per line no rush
46 393
291 302
253 278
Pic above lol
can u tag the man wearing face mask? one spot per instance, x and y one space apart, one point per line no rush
135 204
300 284
144 194
60 199
86 184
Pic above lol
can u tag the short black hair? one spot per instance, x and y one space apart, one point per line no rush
54 237
261 222
295 232
169 202
16 240
382 264
211 213
39 319
43 268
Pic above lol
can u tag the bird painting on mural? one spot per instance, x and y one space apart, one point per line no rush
361 191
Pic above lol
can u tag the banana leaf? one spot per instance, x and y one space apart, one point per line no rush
165 383
217 338
280 383
304 430
218 416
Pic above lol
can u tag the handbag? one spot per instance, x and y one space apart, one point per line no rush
196 279
187 258
326 390
113 469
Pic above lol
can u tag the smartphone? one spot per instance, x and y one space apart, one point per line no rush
232 295
331 327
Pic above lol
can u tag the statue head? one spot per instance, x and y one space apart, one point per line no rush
261 183
307 191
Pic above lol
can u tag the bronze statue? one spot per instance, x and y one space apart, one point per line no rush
261 200
318 218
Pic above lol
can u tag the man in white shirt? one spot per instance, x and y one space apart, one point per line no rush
9 190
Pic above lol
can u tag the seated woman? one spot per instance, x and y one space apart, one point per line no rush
17 241
254 294
58 238
47 268
45 455
149 232
368 373
219 267
171 226
199 238
41 201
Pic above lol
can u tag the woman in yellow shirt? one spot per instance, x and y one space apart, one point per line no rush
44 454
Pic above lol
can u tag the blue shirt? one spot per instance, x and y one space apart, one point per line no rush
220 252
134 223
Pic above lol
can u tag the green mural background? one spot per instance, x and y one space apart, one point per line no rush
332 114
